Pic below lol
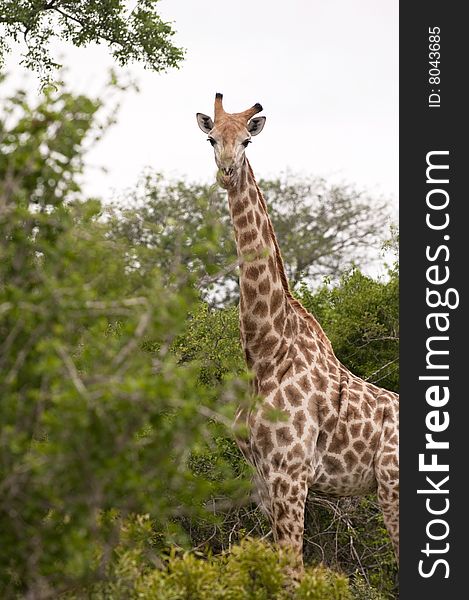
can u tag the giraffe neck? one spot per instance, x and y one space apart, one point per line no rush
264 294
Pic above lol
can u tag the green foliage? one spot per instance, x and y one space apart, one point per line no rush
41 149
360 315
346 534
166 221
252 570
132 33
322 229
94 427
211 338
361 590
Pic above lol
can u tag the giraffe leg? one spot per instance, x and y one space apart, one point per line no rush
285 497
387 474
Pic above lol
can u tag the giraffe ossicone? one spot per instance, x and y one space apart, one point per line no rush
339 434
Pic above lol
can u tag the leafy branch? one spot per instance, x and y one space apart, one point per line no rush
132 35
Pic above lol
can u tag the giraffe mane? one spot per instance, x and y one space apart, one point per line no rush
296 304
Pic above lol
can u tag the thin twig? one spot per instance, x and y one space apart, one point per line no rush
382 368
22 355
208 279
73 372
133 342
211 414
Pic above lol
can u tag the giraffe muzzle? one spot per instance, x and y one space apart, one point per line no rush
226 177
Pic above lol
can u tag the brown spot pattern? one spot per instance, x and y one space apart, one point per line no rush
249 292
275 301
349 422
299 421
264 286
252 273
261 309
333 465
293 395
284 437
264 439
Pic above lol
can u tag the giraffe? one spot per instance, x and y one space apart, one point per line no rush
337 434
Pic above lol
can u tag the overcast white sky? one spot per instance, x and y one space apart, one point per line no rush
326 72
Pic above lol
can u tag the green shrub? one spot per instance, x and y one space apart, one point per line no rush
320 583
253 570
94 427
360 315
361 590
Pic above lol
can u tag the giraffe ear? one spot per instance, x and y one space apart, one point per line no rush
204 122
256 125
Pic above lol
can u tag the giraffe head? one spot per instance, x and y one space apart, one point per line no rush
230 134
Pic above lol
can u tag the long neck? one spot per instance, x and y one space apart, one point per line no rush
264 293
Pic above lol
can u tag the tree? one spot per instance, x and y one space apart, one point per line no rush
322 229
360 315
132 34
166 221
98 415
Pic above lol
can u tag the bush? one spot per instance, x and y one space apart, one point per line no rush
94 427
360 315
361 590
253 570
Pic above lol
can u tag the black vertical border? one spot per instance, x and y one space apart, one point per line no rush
423 129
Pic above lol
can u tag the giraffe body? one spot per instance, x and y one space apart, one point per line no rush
332 432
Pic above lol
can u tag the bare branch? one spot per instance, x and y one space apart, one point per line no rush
385 366
211 414
72 371
23 354
208 279
132 344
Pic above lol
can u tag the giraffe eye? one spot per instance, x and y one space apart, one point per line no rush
212 141
245 143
